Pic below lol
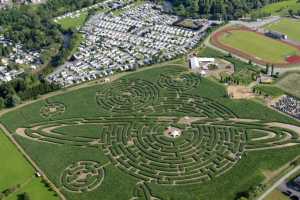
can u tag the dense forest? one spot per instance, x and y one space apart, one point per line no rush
33 25
217 9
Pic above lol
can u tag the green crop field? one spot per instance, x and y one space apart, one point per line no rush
15 170
290 83
73 22
287 26
118 140
261 47
280 8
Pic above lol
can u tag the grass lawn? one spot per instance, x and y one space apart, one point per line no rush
287 26
290 83
21 171
270 90
276 195
36 191
75 22
16 170
280 8
258 46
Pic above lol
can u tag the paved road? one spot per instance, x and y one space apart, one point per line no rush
275 185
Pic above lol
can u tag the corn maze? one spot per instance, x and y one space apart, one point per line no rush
131 135
82 176
52 109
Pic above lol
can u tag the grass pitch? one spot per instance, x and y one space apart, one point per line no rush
287 26
109 142
15 170
258 46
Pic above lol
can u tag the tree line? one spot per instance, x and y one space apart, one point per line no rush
218 9
24 88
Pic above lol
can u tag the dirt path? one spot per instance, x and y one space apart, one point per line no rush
32 162
286 126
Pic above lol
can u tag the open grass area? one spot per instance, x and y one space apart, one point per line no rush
270 90
73 22
15 170
290 83
287 26
258 46
276 195
113 141
280 8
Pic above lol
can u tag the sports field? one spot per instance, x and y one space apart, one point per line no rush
15 170
287 26
117 140
258 46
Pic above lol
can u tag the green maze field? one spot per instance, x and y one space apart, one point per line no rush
110 141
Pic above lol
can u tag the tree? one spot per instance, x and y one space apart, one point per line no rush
24 196
2 103
267 68
12 101
272 70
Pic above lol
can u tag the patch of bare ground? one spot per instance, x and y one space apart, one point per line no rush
243 120
240 92
189 120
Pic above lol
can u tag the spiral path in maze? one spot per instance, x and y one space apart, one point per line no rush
128 95
138 146
200 154
82 176
52 109
179 82
187 104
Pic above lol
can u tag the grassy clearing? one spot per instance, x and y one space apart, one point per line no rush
276 195
70 22
16 170
287 26
259 46
270 90
280 8
290 83
12 157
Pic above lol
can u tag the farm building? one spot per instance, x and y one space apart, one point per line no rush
196 63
